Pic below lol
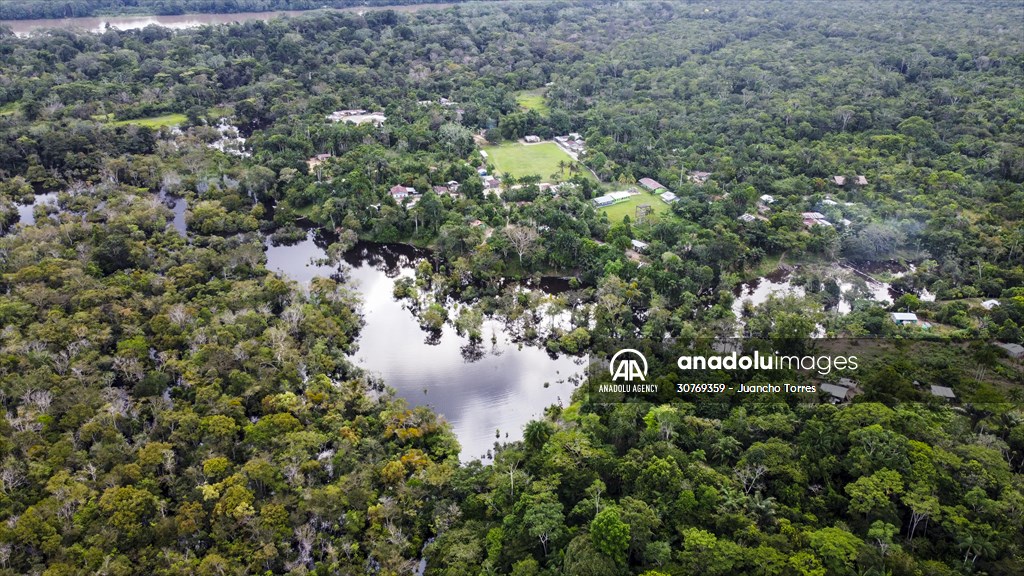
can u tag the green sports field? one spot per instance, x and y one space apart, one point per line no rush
530 159
616 212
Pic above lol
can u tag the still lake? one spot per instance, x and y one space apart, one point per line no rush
487 392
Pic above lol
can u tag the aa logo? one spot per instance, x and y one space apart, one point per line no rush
627 368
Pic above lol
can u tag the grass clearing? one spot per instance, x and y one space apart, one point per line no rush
521 160
532 100
616 212
155 121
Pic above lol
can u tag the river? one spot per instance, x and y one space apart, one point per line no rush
488 392
99 24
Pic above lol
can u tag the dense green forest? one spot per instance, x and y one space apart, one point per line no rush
173 407
29 9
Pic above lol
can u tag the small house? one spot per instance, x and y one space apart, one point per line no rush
483 154
747 218
836 394
943 392
651 184
638 245
989 304
532 139
491 182
668 197
603 201
904 318
400 192
839 180
860 181
1014 350
698 177
767 198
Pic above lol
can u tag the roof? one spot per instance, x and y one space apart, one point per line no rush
839 180
813 215
1015 350
861 181
638 244
989 304
747 218
942 391
904 317
650 184
767 198
619 195
837 392
669 197
603 200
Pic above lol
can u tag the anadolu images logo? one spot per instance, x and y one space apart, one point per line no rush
627 368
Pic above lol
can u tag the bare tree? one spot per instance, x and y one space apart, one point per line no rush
522 238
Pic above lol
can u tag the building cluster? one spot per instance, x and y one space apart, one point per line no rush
399 192
572 142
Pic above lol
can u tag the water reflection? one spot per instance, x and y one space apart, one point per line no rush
177 205
488 390
27 212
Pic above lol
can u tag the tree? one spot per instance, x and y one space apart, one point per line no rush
522 238
610 534
871 495
543 518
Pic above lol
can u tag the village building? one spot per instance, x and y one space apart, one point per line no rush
698 177
839 180
989 304
668 197
860 181
943 392
651 184
1014 350
611 198
638 245
767 198
814 219
317 160
841 391
904 318
400 192
532 139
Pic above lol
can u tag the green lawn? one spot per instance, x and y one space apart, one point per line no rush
532 100
155 121
527 160
616 212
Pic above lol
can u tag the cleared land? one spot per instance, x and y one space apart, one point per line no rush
151 122
156 121
528 160
616 212
532 100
